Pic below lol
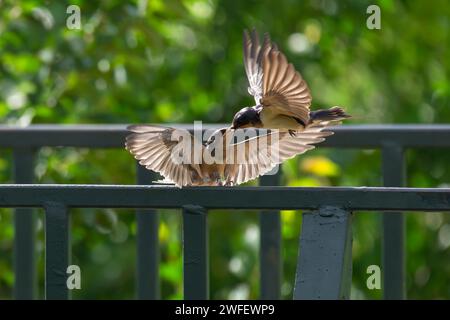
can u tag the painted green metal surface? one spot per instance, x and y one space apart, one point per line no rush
147 275
393 240
56 250
324 265
156 196
25 285
195 253
112 136
329 230
270 246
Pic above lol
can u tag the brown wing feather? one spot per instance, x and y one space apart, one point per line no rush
284 89
257 156
253 55
273 81
160 149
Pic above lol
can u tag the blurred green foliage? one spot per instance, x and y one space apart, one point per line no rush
168 61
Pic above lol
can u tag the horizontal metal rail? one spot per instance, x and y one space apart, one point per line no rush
132 196
112 136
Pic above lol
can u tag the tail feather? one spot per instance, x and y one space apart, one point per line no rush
332 114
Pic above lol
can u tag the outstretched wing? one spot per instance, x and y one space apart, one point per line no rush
256 156
167 151
253 56
274 82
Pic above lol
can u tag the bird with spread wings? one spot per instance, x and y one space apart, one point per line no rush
282 96
282 105
172 153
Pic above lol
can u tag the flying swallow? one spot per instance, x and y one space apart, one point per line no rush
282 96
183 160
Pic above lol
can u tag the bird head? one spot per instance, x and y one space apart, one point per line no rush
246 117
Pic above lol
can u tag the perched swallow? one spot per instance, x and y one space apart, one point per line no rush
281 94
183 160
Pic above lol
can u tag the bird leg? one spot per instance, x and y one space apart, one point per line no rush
228 183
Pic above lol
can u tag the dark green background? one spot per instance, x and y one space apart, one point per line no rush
178 61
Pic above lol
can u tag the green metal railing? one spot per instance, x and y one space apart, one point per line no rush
392 140
323 268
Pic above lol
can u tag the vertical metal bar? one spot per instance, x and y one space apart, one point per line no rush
270 246
195 253
393 243
147 276
324 268
25 285
56 250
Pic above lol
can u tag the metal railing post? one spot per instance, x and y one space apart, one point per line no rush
25 285
393 242
270 246
57 249
147 275
195 253
324 268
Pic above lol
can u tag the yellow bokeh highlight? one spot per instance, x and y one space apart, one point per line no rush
320 166
305 182
288 216
165 110
313 32
163 233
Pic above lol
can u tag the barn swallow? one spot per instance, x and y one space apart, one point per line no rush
181 159
282 96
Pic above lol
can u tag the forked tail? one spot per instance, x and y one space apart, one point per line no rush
332 114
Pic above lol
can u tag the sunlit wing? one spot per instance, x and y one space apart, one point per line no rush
256 156
273 81
167 151
284 89
253 55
